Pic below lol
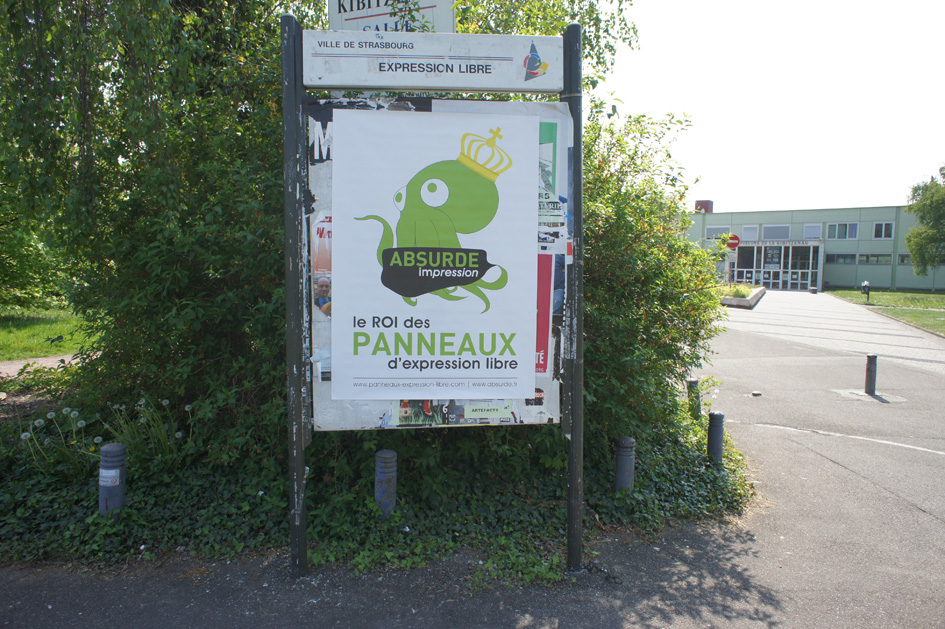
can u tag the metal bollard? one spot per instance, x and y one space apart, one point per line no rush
695 400
111 479
870 387
385 481
716 432
626 462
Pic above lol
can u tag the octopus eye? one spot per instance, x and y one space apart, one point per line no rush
400 198
434 192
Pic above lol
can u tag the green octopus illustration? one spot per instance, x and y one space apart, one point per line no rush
440 202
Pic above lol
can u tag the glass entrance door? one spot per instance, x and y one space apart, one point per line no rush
801 260
777 267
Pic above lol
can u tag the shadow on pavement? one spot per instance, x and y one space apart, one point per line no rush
694 576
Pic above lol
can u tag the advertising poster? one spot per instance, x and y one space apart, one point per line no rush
554 234
772 258
433 255
548 237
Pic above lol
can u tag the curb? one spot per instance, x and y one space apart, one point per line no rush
745 302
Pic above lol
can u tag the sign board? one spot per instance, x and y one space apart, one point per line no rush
782 243
374 15
733 241
369 60
374 359
362 60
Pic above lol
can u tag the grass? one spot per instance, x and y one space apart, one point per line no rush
932 320
34 333
919 308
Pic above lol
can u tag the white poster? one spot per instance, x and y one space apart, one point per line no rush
434 256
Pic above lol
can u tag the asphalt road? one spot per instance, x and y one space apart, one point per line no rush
848 529
851 524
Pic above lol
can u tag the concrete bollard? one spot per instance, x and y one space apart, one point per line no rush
870 387
695 400
626 462
111 479
385 481
716 432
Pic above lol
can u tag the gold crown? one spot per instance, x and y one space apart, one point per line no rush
482 156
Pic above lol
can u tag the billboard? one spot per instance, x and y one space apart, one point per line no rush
427 232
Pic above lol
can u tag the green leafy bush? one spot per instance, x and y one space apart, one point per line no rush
150 134
650 309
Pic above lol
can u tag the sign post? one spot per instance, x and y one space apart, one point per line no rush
293 168
431 297
574 390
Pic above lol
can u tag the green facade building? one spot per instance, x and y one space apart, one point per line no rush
805 249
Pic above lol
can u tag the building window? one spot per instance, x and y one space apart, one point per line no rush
813 231
882 231
749 232
746 257
875 258
842 231
905 258
714 233
840 258
776 232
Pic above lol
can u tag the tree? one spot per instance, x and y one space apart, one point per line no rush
30 272
148 134
926 241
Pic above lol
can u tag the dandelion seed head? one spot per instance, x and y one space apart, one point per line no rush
178 434
80 423
50 415
74 414
188 408
25 436
97 440
165 402
66 410
39 423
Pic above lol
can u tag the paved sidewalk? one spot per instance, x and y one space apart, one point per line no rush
10 368
848 529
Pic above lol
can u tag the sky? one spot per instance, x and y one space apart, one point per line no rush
810 104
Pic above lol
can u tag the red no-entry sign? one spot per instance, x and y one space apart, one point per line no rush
733 241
